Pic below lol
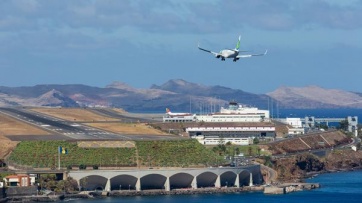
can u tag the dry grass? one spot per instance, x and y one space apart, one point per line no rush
6 146
119 110
74 114
128 128
12 127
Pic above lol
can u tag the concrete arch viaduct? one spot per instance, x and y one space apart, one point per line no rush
167 179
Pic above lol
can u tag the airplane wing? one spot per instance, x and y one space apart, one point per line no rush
250 55
214 53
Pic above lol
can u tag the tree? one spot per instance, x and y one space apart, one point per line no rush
237 151
268 161
82 167
256 141
343 125
83 183
322 126
358 146
259 150
250 151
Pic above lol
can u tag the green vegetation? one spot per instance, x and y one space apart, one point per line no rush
44 154
4 174
179 153
231 150
343 125
50 182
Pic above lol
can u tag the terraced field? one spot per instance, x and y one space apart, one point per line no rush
180 153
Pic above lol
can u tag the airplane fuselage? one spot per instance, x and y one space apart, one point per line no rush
228 53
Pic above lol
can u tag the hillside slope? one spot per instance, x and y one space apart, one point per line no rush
177 94
315 97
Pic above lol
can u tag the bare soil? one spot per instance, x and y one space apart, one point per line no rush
6 146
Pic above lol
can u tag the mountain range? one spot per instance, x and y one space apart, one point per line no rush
176 94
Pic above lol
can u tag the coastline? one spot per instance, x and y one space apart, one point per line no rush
132 193
310 175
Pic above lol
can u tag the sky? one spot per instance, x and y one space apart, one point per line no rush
145 42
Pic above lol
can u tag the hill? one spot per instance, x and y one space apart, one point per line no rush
177 94
313 97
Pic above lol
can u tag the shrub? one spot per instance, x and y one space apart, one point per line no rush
82 167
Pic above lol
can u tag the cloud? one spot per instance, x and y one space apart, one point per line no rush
178 16
49 26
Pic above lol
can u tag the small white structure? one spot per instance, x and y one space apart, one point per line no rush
295 122
179 118
296 131
19 180
215 140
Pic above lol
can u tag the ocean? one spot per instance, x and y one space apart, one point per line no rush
335 187
318 113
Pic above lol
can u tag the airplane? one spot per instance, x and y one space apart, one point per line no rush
231 53
168 112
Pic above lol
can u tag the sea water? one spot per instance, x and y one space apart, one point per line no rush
318 113
335 187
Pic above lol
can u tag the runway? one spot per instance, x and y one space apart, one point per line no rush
61 129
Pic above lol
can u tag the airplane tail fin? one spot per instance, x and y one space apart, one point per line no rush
238 44
168 110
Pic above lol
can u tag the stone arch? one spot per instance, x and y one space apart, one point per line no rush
244 178
123 182
153 181
93 182
228 179
206 179
181 180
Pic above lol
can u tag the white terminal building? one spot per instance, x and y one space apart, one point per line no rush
236 135
236 113
236 124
